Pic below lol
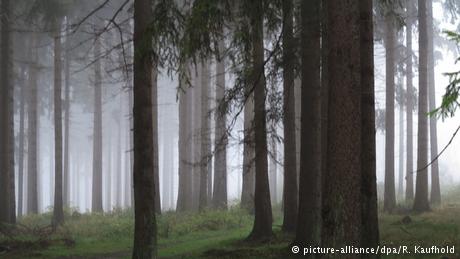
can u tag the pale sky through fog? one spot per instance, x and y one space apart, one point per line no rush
449 162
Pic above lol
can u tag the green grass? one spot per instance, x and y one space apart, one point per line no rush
212 234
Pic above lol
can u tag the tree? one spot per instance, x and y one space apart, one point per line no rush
145 240
58 211
262 228
310 150
219 197
390 45
155 136
7 191
96 204
66 176
421 188
369 220
341 193
435 185
21 150
32 170
410 9
290 193
205 138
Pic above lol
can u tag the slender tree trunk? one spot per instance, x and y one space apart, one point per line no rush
435 185
155 137
183 127
221 138
58 211
390 45
290 193
205 138
145 240
421 188
109 174
96 205
66 182
409 103
119 160
341 194
310 150
262 228
401 143
369 221
273 168
21 150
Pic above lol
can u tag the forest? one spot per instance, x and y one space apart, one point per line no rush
229 129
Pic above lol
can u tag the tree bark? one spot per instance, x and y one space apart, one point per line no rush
308 230
290 193
21 150
96 205
435 185
145 240
369 221
58 211
66 177
7 211
341 194
262 228
390 45
221 139
409 103
205 137
421 188
155 137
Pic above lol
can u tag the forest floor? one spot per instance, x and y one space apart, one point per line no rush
211 234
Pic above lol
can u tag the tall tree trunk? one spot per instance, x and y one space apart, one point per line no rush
145 240
96 205
66 177
21 150
310 150
390 45
262 228
182 145
155 136
409 102
247 192
401 142
58 211
119 160
196 137
290 193
435 185
109 174
205 138
341 194
7 210
421 187
221 139
369 221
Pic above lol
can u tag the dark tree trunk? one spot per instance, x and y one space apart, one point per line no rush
96 205
262 228
421 188
369 221
145 240
409 103
58 211
390 45
341 194
310 150
7 211
290 193
435 185
247 192
221 139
